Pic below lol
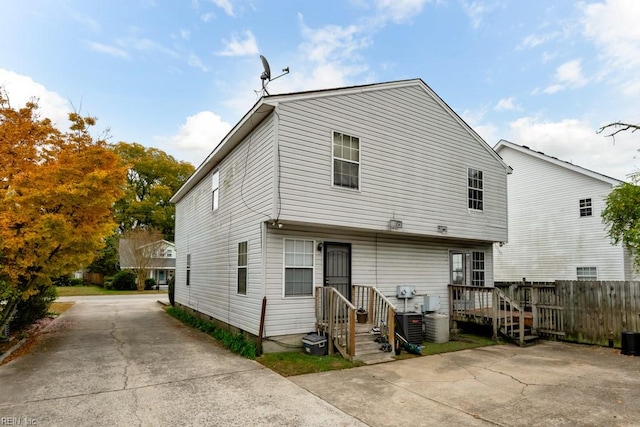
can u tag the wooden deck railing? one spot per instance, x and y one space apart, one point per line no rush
470 304
380 311
336 316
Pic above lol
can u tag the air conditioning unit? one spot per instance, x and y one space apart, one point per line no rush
410 326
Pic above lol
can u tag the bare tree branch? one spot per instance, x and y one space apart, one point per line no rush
623 127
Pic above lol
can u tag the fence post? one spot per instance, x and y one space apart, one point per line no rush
495 313
332 316
352 332
535 298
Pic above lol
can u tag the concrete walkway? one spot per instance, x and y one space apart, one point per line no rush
121 361
545 385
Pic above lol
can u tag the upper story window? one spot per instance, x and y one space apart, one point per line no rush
475 189
587 273
346 161
585 207
215 190
169 253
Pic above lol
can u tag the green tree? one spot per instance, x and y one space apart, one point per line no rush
153 177
57 192
622 216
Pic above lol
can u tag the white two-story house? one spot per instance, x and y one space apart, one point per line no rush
381 185
555 227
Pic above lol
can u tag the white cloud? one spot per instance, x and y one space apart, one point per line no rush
613 25
332 42
23 88
197 137
238 47
196 62
224 5
535 40
568 76
109 50
185 34
206 17
576 141
85 20
399 11
506 104
476 10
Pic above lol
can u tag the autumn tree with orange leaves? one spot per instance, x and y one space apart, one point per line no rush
57 191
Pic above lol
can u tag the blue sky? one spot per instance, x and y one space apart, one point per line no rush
178 75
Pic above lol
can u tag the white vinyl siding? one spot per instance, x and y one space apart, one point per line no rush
298 267
414 165
212 240
548 239
377 260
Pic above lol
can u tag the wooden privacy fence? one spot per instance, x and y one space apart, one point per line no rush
584 311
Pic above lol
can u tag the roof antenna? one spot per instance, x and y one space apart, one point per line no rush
266 74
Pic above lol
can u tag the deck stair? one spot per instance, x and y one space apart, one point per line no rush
368 350
491 306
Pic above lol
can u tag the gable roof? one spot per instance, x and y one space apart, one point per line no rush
553 160
266 104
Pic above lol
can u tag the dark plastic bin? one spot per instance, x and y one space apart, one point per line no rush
315 345
630 343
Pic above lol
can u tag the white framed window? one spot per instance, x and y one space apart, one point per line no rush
242 267
477 269
586 207
346 161
215 190
169 253
475 188
298 267
587 273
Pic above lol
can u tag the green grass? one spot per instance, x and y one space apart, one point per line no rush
234 342
78 291
298 363
457 343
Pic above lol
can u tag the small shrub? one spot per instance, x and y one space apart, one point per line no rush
172 291
34 308
76 282
149 283
124 280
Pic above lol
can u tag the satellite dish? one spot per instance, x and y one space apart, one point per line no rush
266 74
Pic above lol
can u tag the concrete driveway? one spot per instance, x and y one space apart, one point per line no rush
122 361
544 385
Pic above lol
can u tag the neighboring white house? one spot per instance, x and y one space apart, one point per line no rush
381 185
161 261
555 226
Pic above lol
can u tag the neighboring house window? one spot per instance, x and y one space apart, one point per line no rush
188 269
587 273
475 189
298 267
169 253
346 161
242 268
477 269
585 207
215 190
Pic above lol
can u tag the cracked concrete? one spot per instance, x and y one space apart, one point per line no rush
121 361
547 384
